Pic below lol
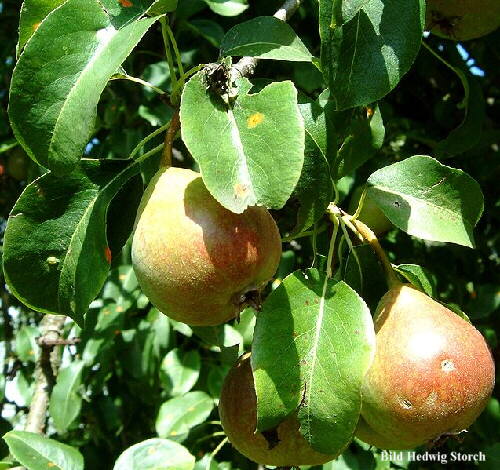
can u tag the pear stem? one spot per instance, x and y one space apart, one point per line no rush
371 238
364 233
175 123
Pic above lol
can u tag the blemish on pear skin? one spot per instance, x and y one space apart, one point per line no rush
254 120
447 365
405 403
240 190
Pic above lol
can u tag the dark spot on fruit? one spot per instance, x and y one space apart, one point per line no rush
447 365
405 403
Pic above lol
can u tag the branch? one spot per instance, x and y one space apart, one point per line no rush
246 65
46 369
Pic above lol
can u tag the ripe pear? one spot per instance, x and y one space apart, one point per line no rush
195 260
370 214
461 20
432 373
238 414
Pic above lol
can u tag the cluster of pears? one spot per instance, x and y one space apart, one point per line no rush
432 373
462 20
195 260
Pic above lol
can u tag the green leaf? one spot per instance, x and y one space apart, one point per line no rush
65 401
210 30
492 457
37 452
119 222
485 300
124 12
265 37
364 274
180 371
428 200
314 189
8 145
342 11
26 345
160 7
366 57
55 90
215 379
33 12
155 454
313 343
468 133
56 256
219 336
178 415
160 325
227 7
366 135
207 462
420 277
233 146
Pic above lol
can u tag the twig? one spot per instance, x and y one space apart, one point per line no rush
370 237
246 65
175 124
46 369
57 342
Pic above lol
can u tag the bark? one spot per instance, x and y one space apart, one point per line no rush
46 369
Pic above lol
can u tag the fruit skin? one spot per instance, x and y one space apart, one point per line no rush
193 258
432 373
238 414
370 214
461 20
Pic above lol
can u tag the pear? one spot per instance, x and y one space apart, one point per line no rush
432 374
461 20
371 215
195 260
285 447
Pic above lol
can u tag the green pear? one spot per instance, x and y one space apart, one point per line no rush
195 260
432 374
461 20
238 414
371 215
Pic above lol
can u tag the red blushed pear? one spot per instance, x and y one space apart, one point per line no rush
195 260
238 414
432 374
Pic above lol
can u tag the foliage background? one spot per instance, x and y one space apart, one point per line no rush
128 369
